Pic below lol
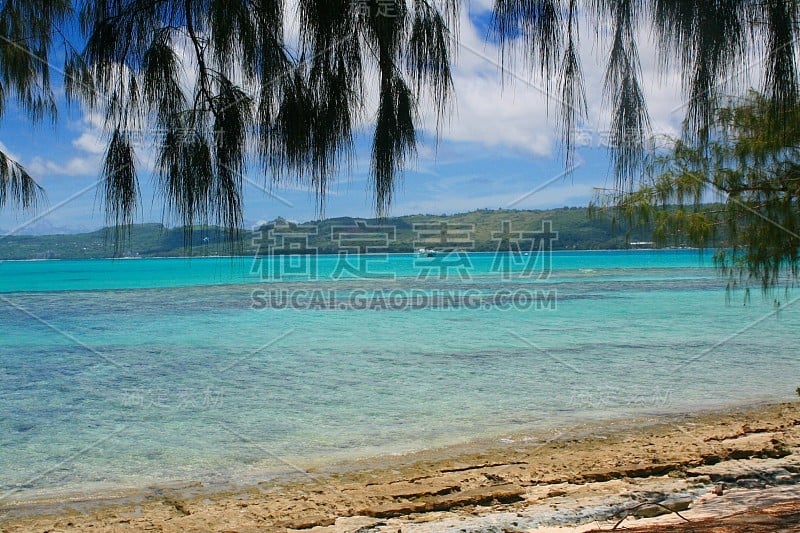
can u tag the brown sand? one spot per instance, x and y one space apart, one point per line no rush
513 485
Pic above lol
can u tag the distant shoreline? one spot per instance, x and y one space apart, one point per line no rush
331 254
481 231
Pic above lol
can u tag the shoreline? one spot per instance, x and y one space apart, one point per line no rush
343 462
584 471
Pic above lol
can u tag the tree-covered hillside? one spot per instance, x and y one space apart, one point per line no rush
576 229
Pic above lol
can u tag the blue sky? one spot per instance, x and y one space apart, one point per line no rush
499 149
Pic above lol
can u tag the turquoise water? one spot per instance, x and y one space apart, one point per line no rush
133 373
94 274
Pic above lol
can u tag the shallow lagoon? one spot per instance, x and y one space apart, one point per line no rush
141 372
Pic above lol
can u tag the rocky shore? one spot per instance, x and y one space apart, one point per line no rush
702 468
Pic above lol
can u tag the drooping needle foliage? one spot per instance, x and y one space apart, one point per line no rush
223 84
27 28
737 146
717 47
750 164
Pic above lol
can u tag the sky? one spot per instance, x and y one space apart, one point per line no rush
499 148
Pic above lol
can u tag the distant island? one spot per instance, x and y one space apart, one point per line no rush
576 230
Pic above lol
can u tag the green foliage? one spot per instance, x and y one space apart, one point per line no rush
751 163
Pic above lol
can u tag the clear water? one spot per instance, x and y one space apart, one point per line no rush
141 372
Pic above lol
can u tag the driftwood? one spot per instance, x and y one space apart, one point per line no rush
638 506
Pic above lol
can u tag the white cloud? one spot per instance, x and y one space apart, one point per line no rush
487 111
519 114
75 166
90 141
555 196
481 5
84 160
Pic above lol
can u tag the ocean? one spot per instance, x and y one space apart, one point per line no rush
127 374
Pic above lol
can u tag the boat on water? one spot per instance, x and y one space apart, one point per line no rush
427 252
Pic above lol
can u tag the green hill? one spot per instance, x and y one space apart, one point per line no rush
575 229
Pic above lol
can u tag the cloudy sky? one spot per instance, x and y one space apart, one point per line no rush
499 149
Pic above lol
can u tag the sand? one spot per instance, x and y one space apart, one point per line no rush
580 479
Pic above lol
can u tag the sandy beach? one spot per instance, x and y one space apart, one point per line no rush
743 462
